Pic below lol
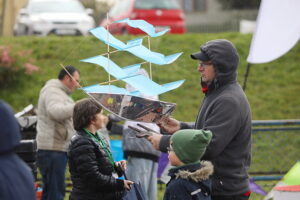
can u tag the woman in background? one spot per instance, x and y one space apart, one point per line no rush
90 160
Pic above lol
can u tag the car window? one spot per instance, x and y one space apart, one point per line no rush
55 6
156 4
120 8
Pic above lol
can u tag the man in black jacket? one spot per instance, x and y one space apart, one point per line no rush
226 112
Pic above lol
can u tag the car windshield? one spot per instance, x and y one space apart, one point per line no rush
157 4
55 7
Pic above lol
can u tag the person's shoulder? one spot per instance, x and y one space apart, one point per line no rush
79 140
231 94
52 85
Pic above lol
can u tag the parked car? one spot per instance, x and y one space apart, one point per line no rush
60 17
160 13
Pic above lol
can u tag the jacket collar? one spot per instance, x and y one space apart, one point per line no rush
196 172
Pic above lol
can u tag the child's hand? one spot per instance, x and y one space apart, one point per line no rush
127 184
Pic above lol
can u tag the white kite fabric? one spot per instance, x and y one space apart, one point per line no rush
277 30
129 74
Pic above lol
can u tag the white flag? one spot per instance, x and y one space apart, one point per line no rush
277 30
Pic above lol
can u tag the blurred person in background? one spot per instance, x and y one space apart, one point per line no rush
16 179
54 131
142 158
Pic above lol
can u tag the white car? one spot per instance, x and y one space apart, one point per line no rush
60 17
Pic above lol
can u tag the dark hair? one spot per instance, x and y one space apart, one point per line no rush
84 112
63 72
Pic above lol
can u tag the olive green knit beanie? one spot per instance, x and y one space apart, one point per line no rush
189 145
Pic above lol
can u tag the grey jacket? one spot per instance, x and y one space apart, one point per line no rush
55 110
138 147
226 112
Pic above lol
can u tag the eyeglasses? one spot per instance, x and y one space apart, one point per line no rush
204 64
170 149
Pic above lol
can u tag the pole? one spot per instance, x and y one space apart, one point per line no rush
3 16
246 76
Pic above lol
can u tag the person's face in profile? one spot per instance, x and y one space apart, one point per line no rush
99 121
73 83
174 160
207 71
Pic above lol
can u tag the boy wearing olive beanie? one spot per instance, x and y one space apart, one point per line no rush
190 177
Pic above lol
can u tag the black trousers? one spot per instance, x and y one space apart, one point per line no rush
235 197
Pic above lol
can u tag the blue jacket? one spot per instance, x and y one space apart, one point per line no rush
16 179
190 182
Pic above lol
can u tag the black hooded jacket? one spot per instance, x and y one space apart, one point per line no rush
226 112
16 179
91 171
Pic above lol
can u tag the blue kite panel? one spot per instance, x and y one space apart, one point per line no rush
144 26
135 47
109 89
143 84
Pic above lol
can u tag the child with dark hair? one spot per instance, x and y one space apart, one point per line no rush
90 160
190 177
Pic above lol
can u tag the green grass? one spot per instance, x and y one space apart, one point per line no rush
272 88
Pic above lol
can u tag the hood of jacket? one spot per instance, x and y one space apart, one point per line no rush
225 59
9 129
193 172
57 83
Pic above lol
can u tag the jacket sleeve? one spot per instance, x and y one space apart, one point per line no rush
57 106
185 125
164 143
87 165
224 122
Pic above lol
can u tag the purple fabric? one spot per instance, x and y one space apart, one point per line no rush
162 163
256 188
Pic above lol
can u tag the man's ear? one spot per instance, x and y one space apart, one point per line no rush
69 78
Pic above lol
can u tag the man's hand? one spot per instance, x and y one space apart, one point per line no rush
168 124
155 140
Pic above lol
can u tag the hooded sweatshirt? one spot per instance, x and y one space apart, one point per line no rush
225 111
16 179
